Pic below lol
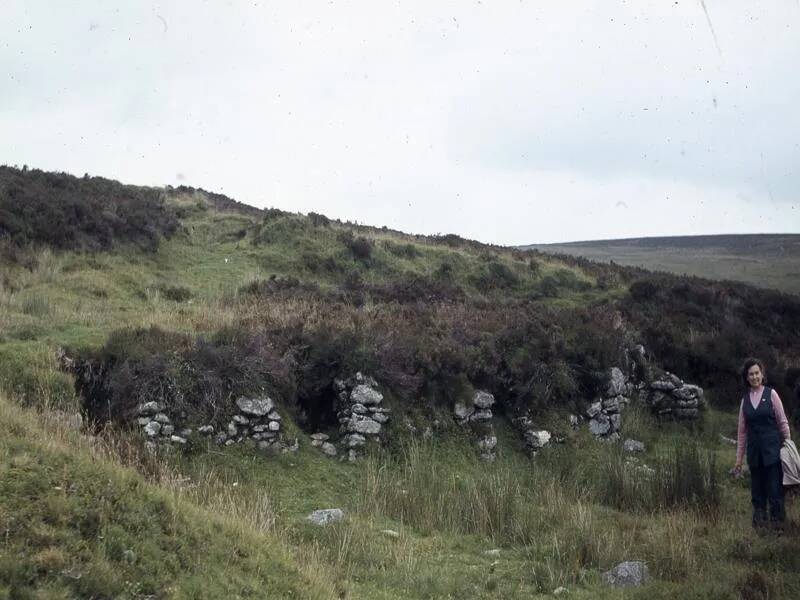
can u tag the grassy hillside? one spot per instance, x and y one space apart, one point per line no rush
233 300
767 261
79 524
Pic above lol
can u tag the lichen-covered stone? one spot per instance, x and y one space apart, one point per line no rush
364 394
258 407
537 439
600 425
483 399
364 426
462 411
627 574
326 516
616 385
149 408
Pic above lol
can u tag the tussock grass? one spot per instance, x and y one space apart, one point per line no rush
36 306
683 477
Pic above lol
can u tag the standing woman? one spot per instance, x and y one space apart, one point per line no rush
762 429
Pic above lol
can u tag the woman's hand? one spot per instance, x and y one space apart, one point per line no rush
736 471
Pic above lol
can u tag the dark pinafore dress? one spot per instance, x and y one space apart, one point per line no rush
764 442
763 437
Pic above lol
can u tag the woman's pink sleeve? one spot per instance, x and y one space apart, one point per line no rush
741 436
780 415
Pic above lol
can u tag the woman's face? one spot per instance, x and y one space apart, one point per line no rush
755 376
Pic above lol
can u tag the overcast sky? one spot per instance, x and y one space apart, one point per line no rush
508 122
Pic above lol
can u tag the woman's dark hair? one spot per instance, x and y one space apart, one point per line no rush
750 362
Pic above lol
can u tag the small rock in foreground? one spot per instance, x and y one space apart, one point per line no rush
631 573
630 445
325 516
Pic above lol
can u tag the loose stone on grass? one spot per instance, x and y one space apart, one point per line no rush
630 445
326 516
632 573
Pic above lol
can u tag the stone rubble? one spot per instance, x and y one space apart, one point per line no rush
535 439
478 417
257 420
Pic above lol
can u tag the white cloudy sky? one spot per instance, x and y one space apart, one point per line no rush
507 122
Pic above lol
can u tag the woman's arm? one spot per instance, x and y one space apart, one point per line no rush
780 415
741 437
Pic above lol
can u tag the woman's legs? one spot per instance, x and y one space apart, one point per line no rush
758 494
774 488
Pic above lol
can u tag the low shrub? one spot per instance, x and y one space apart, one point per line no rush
279 286
495 276
409 251
360 247
318 220
176 293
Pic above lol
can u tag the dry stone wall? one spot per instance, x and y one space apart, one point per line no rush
668 396
477 416
362 418
257 420
605 413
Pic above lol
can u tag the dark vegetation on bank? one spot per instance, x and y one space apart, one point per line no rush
425 354
71 213
703 329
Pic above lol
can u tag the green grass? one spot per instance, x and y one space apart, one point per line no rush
217 523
